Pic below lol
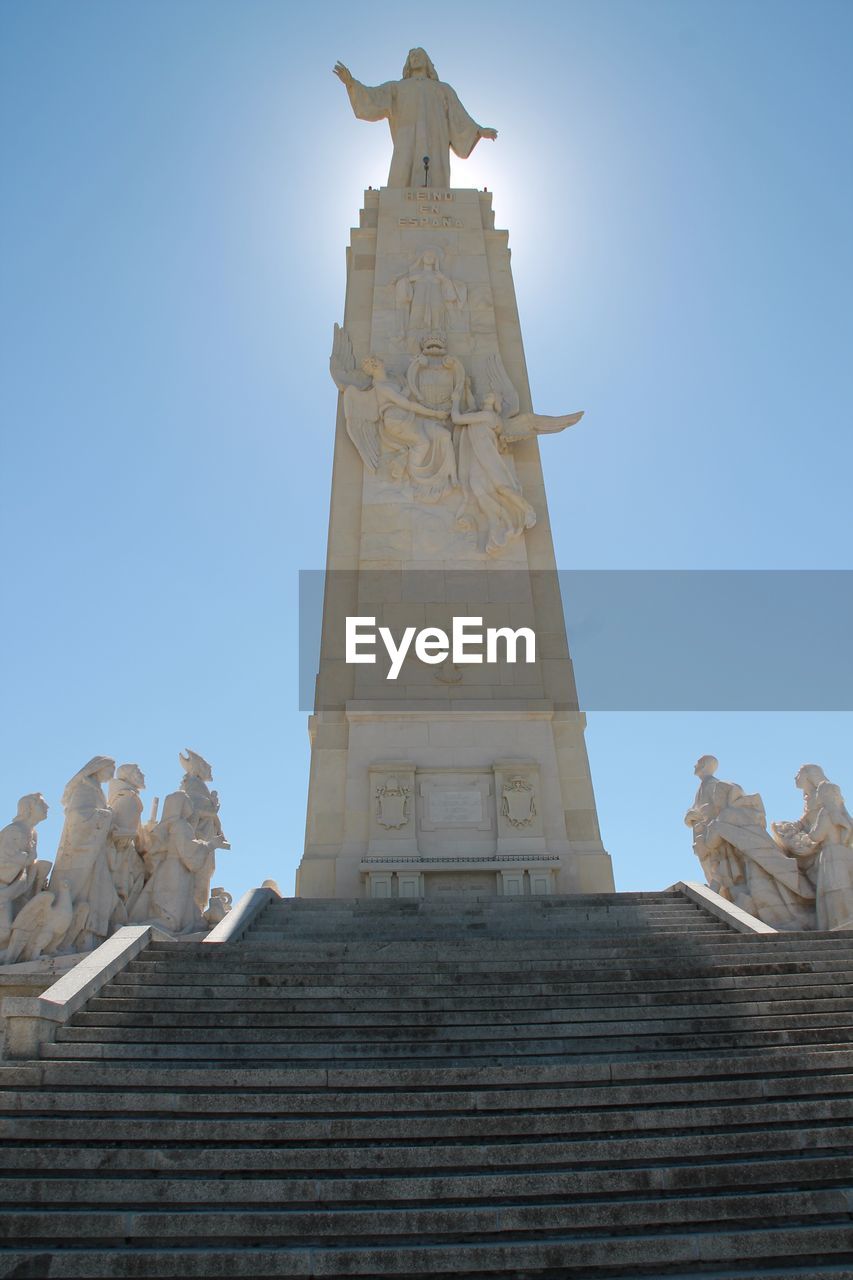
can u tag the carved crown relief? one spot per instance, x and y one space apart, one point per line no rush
435 378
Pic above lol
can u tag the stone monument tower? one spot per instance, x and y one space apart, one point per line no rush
459 775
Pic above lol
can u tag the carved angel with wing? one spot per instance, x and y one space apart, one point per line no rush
493 494
390 429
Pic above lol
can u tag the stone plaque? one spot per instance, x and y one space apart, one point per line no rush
463 882
456 808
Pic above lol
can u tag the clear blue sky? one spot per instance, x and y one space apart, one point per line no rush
180 177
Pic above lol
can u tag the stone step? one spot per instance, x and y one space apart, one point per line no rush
433 973
458 932
386 995
165 1224
771 1073
496 904
452 1008
257 1154
436 905
704 932
466 904
637 962
554 902
766 1063
289 946
327 1109
480 966
536 909
687 941
134 1187
664 937
773 1065
397 976
237 1014
430 970
478 1258
531 916
613 1122
143 1092
344 938
461 1051
289 1030
308 990
504 921
530 913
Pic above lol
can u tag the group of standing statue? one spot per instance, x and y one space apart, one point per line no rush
111 868
797 875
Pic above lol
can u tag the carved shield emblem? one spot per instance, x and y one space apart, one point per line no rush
392 804
518 804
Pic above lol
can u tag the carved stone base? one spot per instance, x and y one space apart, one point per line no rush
534 876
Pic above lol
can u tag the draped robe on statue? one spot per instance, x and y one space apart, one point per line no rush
490 483
81 858
426 119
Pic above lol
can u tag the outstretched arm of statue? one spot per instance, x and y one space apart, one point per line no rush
468 419
491 134
440 415
367 103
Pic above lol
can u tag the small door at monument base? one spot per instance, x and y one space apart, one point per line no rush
513 886
540 885
409 886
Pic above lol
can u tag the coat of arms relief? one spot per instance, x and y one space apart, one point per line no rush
518 802
392 803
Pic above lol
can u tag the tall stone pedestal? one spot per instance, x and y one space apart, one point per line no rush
453 779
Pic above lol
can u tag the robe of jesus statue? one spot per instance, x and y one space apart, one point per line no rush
426 119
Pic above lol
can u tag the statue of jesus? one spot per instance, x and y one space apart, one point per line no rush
426 119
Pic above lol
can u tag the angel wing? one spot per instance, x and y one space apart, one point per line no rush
492 376
524 425
342 363
361 410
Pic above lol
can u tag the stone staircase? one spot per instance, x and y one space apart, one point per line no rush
587 1087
